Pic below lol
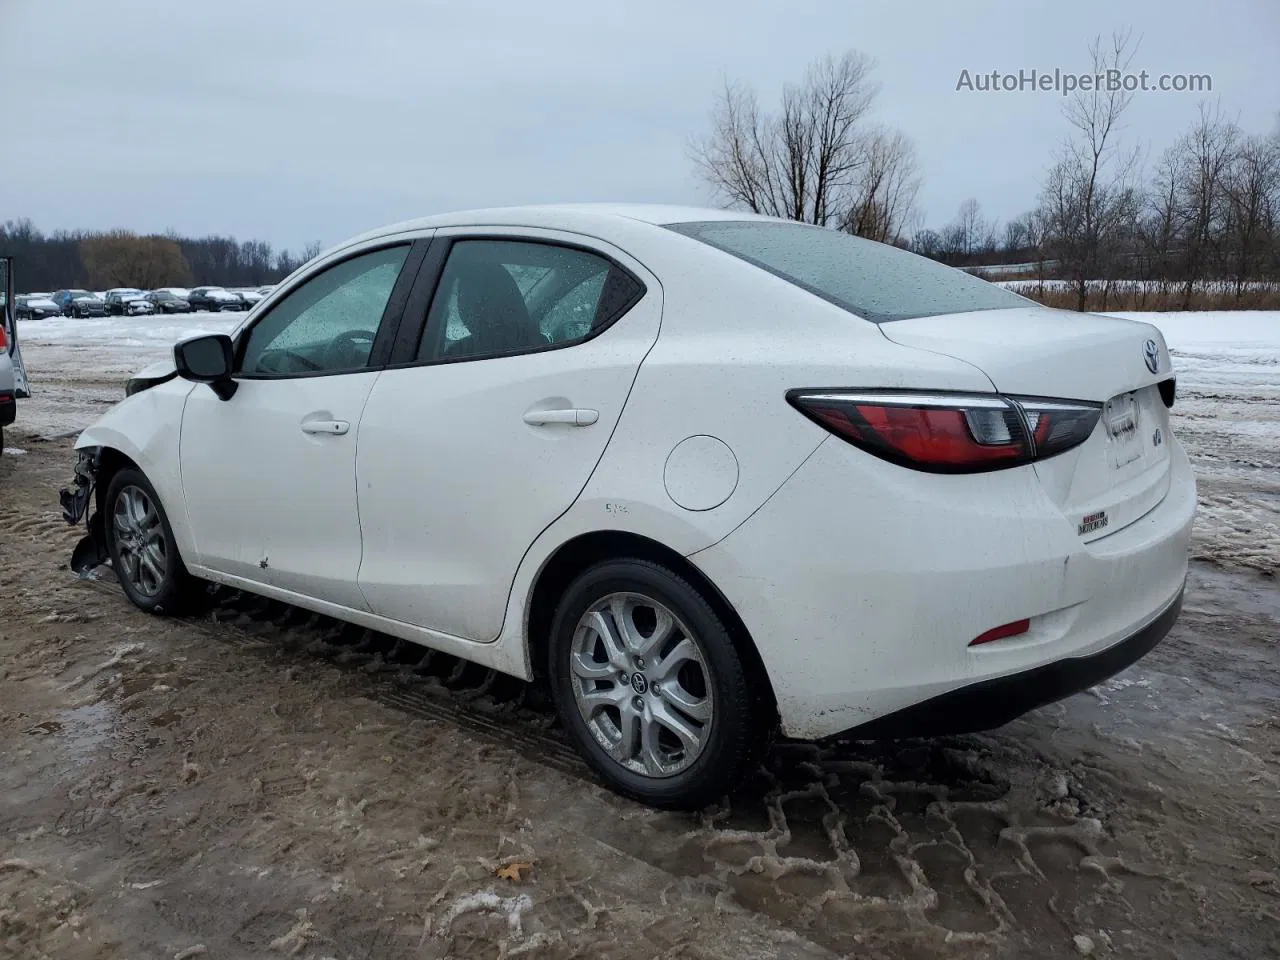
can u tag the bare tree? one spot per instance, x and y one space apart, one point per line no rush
1158 226
970 233
884 195
1089 201
812 161
927 243
1252 190
1015 236
1202 159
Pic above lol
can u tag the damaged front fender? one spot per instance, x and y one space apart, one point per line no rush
92 549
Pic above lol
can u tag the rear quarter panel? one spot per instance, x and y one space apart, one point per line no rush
734 339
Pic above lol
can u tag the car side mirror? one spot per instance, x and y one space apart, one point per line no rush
207 359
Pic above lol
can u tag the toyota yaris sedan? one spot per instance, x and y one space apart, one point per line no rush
709 475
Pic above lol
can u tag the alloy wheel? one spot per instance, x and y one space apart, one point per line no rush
140 539
641 684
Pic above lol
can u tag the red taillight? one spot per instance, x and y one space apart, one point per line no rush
949 432
999 633
4 341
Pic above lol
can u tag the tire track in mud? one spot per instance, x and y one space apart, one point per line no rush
922 842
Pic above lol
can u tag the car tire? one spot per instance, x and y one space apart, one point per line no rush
624 709
143 551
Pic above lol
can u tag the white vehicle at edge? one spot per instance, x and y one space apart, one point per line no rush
709 474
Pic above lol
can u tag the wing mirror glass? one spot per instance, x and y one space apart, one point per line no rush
207 359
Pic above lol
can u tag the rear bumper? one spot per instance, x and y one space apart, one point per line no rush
993 703
863 584
8 409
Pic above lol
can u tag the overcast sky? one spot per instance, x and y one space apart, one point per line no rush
294 120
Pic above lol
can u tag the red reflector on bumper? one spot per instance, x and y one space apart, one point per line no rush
999 633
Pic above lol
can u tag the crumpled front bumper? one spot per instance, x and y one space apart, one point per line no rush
77 501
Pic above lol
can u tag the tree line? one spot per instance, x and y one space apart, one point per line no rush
119 258
1207 209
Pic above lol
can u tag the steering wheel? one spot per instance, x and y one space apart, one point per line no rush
345 350
270 361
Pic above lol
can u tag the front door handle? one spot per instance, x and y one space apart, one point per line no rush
574 416
332 428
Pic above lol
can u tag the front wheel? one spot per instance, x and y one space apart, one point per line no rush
650 684
143 551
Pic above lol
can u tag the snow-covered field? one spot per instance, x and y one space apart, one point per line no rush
1227 412
1120 286
78 367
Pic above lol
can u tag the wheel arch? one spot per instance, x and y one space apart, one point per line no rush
587 549
110 462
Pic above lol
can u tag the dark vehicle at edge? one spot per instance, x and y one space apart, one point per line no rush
35 308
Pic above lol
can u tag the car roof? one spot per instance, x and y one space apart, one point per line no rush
560 215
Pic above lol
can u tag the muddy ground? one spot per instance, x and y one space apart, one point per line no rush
259 782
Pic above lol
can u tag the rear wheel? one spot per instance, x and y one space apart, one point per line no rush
143 552
648 681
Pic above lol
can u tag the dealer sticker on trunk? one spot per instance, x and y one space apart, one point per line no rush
1093 521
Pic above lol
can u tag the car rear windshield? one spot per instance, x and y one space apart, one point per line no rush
876 281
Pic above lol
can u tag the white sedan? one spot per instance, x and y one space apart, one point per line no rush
708 475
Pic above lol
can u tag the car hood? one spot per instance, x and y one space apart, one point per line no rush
157 371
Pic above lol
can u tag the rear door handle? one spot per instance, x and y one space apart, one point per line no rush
333 428
574 416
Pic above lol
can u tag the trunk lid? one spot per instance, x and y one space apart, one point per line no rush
1121 472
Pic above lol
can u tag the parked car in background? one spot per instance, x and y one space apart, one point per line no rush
165 301
182 293
251 297
35 307
79 303
128 301
214 299
706 473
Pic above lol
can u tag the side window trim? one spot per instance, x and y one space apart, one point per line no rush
413 325
388 324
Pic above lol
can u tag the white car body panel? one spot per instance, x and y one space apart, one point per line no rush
145 428
267 501
1041 352
887 599
446 512
433 516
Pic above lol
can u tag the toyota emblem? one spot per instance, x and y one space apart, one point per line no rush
1151 354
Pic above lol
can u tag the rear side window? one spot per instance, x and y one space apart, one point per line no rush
503 297
876 281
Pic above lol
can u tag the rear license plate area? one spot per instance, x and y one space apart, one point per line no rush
1121 417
